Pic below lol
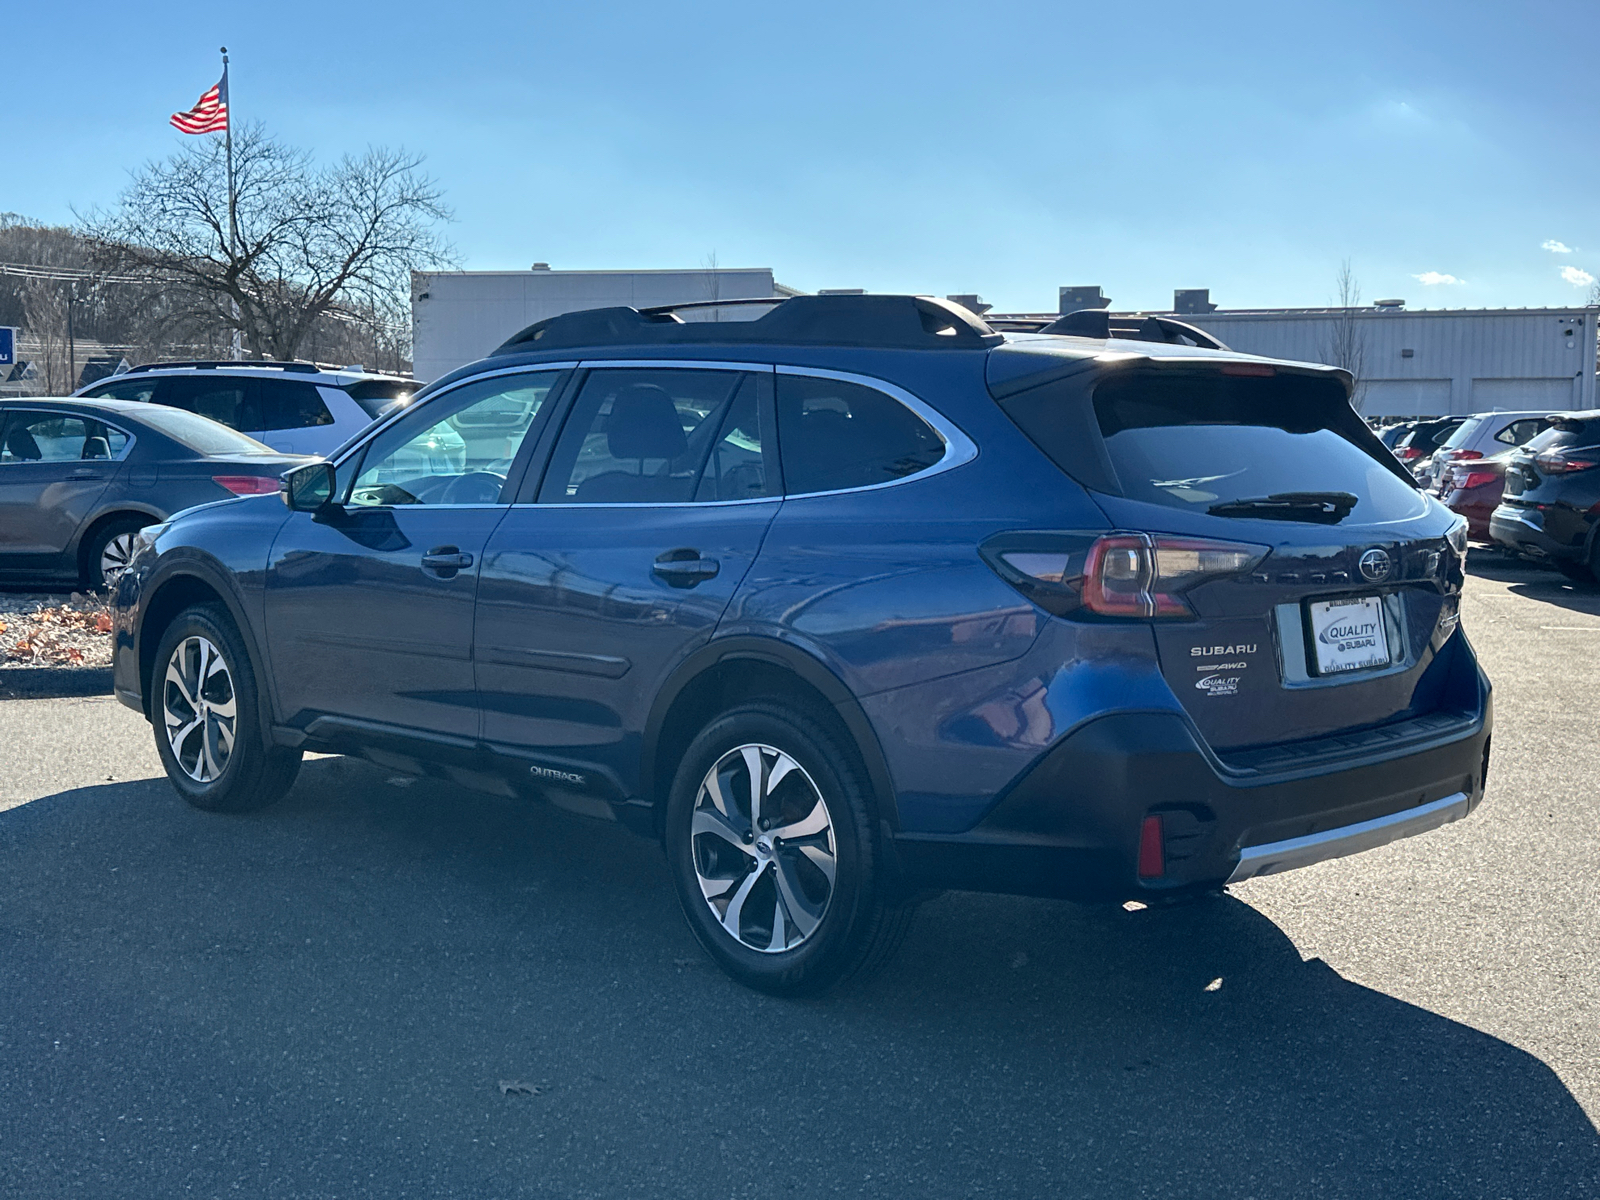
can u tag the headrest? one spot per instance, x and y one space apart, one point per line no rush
644 424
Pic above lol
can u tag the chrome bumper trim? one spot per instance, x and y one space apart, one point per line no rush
1286 855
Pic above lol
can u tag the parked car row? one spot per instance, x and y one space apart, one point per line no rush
80 476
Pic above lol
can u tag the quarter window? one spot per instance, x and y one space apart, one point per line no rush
644 436
837 435
457 449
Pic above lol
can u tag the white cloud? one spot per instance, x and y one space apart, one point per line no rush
1555 247
1576 276
1430 278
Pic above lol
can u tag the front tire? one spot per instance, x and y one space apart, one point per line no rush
775 852
207 719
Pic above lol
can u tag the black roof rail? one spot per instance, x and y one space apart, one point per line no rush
305 367
1098 323
895 322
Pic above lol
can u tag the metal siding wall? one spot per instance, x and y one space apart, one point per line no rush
469 313
1455 346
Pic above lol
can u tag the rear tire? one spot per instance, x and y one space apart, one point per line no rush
206 713
1576 569
784 884
106 553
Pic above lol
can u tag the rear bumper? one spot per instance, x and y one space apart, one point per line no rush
1070 827
1523 529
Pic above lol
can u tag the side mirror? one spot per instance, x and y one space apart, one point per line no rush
308 488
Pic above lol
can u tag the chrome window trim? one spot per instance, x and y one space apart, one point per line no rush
959 449
57 412
359 442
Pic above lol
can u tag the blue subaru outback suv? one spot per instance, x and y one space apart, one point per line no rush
848 603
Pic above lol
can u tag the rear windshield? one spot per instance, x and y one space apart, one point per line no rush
200 434
378 396
1564 431
1464 433
1199 442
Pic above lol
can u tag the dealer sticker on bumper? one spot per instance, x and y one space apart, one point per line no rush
1348 635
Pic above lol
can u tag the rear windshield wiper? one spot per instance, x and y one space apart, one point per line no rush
1325 508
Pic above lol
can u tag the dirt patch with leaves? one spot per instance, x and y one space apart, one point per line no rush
51 632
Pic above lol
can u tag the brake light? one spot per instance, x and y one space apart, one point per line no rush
1249 370
1560 462
1462 455
1407 453
1129 575
248 485
1472 479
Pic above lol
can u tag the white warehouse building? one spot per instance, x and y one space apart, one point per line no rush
1434 361
458 317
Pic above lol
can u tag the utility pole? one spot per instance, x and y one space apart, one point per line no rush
72 345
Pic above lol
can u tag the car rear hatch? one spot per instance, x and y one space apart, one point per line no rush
1347 580
1538 468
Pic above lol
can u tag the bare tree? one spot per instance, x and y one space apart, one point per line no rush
1346 345
44 302
312 242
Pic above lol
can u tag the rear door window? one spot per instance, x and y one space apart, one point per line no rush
836 435
289 404
229 401
1204 443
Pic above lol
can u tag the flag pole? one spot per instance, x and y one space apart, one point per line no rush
233 222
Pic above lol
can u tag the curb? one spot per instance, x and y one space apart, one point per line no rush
46 683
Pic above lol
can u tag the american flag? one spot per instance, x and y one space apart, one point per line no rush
210 113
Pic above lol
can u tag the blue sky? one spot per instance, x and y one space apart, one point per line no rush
930 147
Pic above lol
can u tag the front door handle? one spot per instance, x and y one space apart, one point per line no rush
87 473
684 568
445 561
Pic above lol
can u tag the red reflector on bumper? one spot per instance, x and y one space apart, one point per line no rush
1152 858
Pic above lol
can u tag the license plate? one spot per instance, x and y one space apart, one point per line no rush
1347 635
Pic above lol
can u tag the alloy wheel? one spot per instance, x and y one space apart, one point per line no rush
114 558
199 709
764 848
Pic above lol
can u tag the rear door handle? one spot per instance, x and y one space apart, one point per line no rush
684 568
446 560
87 473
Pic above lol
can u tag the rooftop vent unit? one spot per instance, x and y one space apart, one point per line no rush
1072 299
1389 305
1192 301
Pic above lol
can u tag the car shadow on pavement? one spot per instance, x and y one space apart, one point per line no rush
389 987
1545 584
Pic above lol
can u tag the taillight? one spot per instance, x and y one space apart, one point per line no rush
1134 575
1472 479
1461 455
1563 462
1407 453
248 485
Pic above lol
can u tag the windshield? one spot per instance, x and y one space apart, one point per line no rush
200 434
1213 444
379 396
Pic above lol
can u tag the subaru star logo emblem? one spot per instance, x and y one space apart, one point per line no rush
1374 565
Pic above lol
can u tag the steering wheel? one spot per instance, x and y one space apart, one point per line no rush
475 487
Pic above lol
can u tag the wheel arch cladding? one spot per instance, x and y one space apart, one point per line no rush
186 588
723 676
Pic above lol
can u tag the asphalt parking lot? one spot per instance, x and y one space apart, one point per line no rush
331 998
